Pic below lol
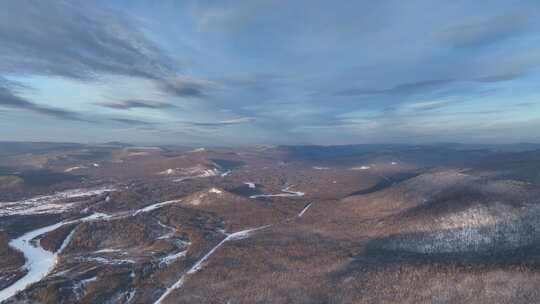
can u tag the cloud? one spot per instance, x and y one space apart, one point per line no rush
236 121
424 86
75 39
405 88
252 80
428 105
84 41
184 86
499 78
132 122
10 98
488 31
385 62
135 103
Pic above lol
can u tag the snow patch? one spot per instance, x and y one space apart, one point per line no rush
215 190
138 153
197 172
94 216
74 168
169 259
169 171
103 260
155 206
197 150
320 168
250 185
108 250
130 295
361 168
286 193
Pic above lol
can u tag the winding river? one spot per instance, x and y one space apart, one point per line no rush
39 262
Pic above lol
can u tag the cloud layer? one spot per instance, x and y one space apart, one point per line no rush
75 39
9 98
240 72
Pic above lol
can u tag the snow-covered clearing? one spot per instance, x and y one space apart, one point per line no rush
215 190
197 172
286 193
75 168
155 206
197 150
50 204
361 168
169 259
320 168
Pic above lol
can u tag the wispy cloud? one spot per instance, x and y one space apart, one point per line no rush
135 103
500 77
132 122
246 72
10 98
424 86
488 31
428 105
184 86
75 39
86 42
405 88
222 123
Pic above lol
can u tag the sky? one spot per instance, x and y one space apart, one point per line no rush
270 72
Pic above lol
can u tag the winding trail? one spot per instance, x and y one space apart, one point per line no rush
198 265
304 210
231 237
155 206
